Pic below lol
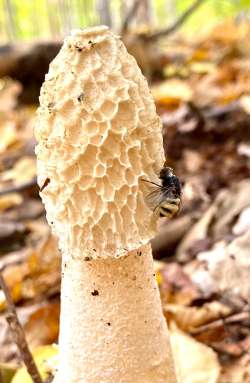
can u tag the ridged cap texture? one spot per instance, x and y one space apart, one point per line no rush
98 135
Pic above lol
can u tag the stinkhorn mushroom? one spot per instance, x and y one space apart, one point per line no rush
98 135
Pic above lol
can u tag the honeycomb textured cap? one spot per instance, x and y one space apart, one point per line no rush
98 135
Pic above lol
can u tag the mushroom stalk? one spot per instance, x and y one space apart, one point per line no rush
98 136
112 328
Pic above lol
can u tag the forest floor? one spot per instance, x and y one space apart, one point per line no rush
202 257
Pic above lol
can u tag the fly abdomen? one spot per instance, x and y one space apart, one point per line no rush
168 209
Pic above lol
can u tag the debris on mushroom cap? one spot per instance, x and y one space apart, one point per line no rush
98 134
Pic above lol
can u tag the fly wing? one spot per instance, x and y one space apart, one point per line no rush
156 197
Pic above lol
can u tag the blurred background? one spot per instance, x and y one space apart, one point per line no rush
29 20
196 57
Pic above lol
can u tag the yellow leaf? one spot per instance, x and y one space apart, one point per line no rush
8 135
10 200
203 67
200 54
172 92
46 360
7 372
23 171
245 103
172 70
195 362
158 265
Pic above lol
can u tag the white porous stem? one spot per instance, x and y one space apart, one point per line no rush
98 135
113 329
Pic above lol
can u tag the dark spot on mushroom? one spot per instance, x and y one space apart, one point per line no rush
139 253
80 97
51 106
108 323
113 283
46 182
78 48
91 43
94 250
232 256
134 278
87 259
95 293
65 264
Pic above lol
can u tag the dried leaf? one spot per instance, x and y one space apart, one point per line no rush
172 92
23 171
229 265
244 149
9 90
8 135
7 372
195 362
203 67
43 325
243 223
230 204
175 285
10 200
197 232
237 371
8 347
188 318
193 160
46 361
245 103
38 275
218 220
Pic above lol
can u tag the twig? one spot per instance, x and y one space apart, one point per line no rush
220 111
181 20
18 334
19 188
234 318
131 13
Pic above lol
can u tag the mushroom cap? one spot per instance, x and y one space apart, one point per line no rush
98 135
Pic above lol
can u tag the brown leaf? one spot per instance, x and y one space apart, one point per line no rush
188 318
43 325
229 265
236 371
23 171
176 286
10 200
38 275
